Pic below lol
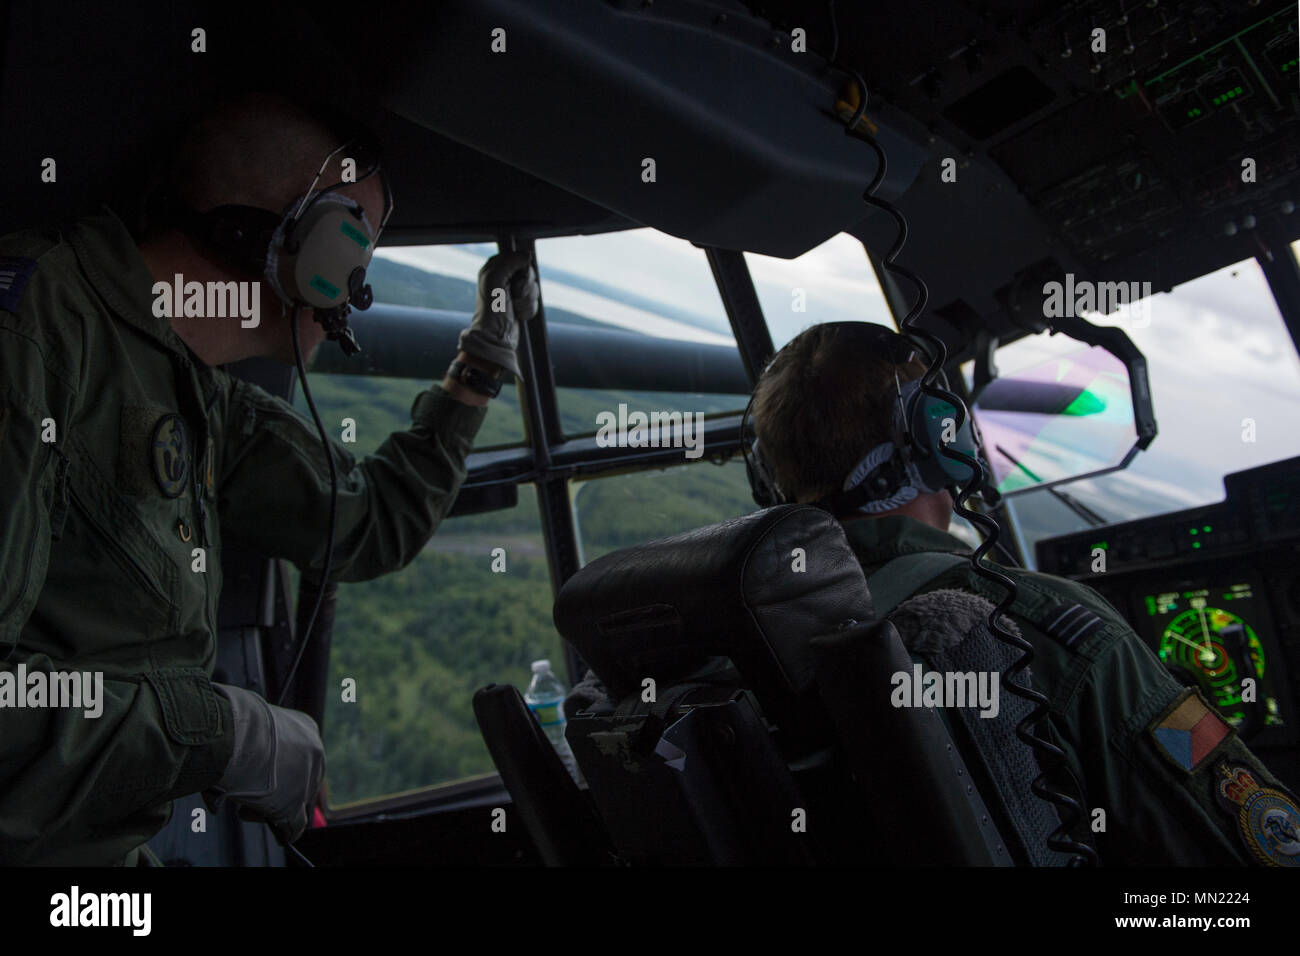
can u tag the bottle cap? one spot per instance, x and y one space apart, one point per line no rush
542 665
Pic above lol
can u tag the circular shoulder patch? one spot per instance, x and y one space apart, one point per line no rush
170 455
1269 820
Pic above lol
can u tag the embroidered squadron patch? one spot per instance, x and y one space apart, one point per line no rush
170 455
1188 732
1268 819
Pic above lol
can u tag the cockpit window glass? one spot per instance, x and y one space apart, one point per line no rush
443 277
832 283
1225 381
472 608
621 511
632 315
409 649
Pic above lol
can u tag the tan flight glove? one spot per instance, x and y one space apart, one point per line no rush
277 767
494 334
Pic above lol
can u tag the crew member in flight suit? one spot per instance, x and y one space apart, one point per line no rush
124 447
1177 785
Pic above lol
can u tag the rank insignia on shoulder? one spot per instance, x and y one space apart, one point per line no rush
14 273
1189 732
1268 819
170 455
1070 624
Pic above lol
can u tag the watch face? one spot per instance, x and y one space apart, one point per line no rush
485 383
476 380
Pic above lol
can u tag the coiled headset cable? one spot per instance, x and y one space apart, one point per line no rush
937 355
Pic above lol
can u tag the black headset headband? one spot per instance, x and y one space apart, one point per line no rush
240 235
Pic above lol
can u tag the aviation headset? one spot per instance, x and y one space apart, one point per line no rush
898 470
314 253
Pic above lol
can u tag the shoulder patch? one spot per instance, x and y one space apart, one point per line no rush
1189 732
1069 624
1268 820
14 273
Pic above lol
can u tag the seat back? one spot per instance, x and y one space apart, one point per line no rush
780 595
751 589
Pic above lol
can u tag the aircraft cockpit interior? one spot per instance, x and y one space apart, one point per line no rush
627 639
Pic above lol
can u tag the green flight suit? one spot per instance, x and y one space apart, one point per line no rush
1108 694
154 455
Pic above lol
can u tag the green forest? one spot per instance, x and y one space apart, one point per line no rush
420 641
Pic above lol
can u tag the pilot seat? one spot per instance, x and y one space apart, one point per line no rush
741 715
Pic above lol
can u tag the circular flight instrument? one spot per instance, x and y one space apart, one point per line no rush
1201 640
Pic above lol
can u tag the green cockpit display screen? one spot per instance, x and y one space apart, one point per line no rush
1220 638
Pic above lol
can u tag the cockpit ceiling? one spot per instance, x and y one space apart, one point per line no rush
449 192
1119 159
1131 158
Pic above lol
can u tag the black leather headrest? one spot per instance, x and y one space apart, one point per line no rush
754 589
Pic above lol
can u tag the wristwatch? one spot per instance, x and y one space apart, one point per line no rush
476 380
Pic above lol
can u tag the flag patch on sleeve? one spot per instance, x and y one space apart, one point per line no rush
14 273
1189 732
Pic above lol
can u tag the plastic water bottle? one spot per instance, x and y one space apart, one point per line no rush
545 698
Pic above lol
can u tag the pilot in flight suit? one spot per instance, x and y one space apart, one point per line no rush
121 453
1176 785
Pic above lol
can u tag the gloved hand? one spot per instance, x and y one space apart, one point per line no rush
494 335
276 770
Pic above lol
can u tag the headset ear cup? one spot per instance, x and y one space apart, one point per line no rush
922 436
933 418
989 489
326 244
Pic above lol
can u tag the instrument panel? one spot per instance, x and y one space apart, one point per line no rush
1214 635
1215 593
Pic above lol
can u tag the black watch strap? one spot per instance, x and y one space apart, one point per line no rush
476 380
